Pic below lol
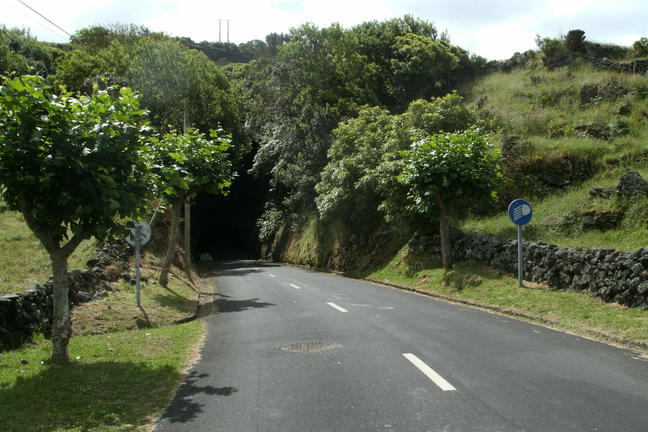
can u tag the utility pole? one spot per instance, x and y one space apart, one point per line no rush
187 215
228 21
219 30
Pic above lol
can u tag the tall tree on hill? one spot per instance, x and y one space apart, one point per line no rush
72 167
324 76
168 75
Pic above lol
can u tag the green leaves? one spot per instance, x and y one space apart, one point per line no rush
186 164
70 163
457 170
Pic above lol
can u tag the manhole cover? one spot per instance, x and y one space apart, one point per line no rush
307 347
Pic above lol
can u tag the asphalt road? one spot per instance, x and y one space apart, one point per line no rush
293 350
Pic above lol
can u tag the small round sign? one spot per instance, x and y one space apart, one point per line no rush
520 212
139 231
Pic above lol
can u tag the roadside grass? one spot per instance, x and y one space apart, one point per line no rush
159 305
23 260
576 312
115 382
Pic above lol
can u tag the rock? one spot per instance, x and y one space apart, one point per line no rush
601 220
625 109
106 286
637 268
99 295
602 192
643 288
83 297
594 130
588 93
632 184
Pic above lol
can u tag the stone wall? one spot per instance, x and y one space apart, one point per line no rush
611 275
22 315
639 67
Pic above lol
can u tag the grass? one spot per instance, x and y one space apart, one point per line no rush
160 306
572 311
126 360
23 260
553 218
114 383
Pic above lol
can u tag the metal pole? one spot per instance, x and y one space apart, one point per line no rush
137 269
520 258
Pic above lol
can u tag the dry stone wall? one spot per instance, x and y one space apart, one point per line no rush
611 275
22 315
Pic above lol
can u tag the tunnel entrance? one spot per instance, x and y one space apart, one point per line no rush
225 227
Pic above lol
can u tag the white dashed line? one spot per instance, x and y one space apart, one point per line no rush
295 286
429 372
271 275
334 306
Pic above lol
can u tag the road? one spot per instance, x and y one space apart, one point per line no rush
293 350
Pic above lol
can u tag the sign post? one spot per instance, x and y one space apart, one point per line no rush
520 213
140 233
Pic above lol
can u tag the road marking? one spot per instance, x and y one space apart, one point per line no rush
294 286
429 372
334 306
271 275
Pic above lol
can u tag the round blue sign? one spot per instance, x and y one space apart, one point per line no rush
520 212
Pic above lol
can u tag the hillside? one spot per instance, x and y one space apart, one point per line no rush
562 134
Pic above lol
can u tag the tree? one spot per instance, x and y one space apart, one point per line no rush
21 53
354 182
366 156
187 164
72 167
168 74
446 174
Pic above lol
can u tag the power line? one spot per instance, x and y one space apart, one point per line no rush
44 17
62 29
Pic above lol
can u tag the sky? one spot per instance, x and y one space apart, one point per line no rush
494 29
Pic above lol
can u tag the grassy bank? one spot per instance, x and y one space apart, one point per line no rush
125 360
576 312
159 305
115 382
556 218
23 260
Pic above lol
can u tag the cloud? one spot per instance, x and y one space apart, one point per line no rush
124 12
492 28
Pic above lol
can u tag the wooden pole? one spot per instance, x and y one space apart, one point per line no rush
187 215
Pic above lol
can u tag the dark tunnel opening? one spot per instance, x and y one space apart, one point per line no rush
225 226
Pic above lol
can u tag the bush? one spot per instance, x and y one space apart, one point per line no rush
640 47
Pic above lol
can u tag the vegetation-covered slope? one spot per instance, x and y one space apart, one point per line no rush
562 133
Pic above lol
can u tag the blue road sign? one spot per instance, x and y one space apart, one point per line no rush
520 212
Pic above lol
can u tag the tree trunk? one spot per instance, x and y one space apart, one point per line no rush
61 322
444 232
171 246
187 238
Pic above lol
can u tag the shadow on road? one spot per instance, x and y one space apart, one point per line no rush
225 305
183 408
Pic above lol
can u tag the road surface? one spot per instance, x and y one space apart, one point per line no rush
293 350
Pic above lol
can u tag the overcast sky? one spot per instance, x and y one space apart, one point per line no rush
494 29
